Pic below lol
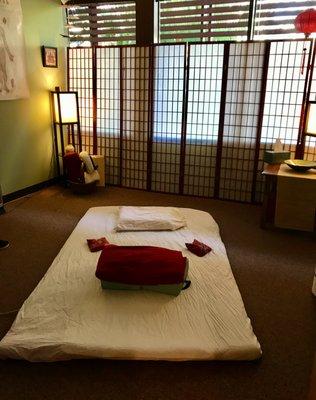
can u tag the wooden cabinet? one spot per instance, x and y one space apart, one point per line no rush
289 198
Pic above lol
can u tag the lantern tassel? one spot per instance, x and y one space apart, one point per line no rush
303 61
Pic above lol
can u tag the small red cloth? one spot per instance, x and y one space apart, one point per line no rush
198 248
97 244
141 265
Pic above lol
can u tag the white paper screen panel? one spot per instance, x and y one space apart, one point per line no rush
283 98
169 63
80 80
241 120
204 97
108 110
135 90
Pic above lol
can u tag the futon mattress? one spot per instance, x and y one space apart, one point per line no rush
69 315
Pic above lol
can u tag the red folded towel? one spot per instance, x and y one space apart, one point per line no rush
198 248
141 265
97 244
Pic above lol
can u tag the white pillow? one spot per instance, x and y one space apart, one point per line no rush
94 176
149 219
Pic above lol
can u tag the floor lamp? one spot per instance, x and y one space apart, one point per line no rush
65 113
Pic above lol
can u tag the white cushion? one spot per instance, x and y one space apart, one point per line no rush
94 176
149 219
85 158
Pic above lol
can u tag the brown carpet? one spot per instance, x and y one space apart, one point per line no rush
274 272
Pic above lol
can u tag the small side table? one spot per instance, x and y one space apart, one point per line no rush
289 198
100 162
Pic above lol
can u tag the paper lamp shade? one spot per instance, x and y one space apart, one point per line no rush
305 22
68 108
311 119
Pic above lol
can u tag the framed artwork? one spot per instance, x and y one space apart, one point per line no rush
49 57
13 83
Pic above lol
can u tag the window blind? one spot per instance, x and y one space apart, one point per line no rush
203 19
102 23
276 17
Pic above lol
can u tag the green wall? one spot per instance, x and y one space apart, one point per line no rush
26 152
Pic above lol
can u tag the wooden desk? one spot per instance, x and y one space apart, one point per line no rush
289 198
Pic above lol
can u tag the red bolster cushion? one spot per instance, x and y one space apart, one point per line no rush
198 248
141 265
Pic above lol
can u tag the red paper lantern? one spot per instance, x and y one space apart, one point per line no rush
305 22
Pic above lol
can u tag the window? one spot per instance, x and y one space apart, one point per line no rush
215 20
275 18
101 23
187 20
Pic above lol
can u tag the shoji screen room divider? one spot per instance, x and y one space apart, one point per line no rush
191 118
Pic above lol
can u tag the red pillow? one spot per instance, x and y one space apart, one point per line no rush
198 248
97 244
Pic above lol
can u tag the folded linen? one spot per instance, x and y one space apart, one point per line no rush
141 265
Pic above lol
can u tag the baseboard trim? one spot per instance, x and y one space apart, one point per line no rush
29 190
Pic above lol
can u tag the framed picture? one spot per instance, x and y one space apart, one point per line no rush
49 57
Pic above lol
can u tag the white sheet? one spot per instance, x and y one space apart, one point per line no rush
68 315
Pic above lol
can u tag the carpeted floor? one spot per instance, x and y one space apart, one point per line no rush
274 272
